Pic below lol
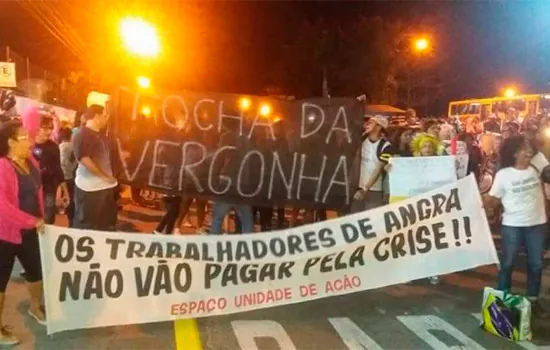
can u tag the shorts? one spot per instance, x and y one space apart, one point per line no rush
28 253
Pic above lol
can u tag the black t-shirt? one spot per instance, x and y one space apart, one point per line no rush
94 145
28 189
491 125
47 155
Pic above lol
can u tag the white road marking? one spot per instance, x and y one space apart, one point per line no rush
247 331
352 335
421 325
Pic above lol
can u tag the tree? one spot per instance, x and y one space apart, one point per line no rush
368 55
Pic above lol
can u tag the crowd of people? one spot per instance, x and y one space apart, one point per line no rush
50 168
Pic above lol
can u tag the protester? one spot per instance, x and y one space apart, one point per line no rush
375 152
68 165
200 206
168 221
517 187
47 153
7 102
172 202
491 125
266 217
426 145
401 142
511 117
473 126
21 213
474 154
509 129
433 127
95 204
79 122
222 207
230 168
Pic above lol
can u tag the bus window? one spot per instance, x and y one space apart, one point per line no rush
518 105
463 108
499 107
532 108
544 105
485 111
474 108
454 109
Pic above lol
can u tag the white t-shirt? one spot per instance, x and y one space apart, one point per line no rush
371 157
521 195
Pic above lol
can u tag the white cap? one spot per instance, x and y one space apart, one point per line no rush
381 120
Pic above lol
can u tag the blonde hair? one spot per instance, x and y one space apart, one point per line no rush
420 139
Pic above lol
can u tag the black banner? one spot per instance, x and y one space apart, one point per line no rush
246 148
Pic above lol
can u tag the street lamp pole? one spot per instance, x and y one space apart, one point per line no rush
419 45
408 89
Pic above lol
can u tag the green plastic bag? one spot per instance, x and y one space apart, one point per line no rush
506 315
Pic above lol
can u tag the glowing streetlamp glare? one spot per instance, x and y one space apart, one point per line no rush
421 44
144 82
146 111
265 110
244 103
139 37
510 92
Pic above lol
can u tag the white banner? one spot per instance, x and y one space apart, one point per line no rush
7 74
462 165
95 279
23 103
411 176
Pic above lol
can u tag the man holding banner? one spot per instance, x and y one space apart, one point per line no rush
95 204
230 167
374 156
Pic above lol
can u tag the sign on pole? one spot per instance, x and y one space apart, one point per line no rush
7 74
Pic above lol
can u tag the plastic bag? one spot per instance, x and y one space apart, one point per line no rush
506 315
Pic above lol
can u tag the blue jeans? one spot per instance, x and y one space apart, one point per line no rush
533 238
243 211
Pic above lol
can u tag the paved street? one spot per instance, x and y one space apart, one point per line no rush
409 316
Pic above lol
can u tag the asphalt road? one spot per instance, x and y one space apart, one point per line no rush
409 316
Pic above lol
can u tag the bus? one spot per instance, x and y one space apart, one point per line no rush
525 105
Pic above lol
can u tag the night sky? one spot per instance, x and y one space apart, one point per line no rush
232 46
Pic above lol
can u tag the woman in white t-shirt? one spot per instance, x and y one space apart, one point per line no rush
518 188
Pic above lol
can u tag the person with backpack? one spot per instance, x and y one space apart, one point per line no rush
375 153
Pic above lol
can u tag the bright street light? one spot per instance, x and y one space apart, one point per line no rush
421 44
146 111
139 37
510 92
244 103
143 82
265 110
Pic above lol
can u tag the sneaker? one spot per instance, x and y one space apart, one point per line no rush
434 280
157 232
40 320
6 337
538 310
